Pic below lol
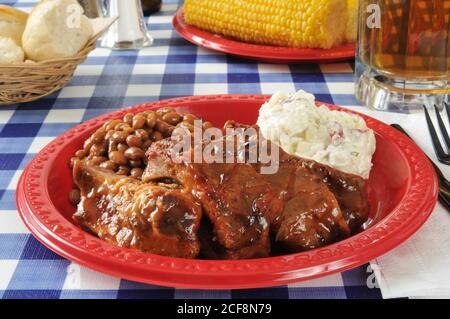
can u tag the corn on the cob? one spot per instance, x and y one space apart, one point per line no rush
352 20
290 23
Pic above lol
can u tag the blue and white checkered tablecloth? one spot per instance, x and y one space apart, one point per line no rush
110 80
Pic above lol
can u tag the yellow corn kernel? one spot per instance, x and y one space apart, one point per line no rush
352 21
288 23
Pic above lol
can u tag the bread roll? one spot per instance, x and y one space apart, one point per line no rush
10 52
56 29
12 23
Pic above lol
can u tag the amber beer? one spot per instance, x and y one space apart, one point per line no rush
403 50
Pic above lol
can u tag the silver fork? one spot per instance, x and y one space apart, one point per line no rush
443 157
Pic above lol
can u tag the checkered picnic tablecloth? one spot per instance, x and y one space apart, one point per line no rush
110 80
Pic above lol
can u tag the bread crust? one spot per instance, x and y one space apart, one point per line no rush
47 34
8 13
10 52
12 23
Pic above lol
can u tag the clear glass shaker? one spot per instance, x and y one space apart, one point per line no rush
130 30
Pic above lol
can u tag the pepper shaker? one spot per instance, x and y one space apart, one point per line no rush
92 8
151 6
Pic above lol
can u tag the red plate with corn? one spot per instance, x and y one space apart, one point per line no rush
286 32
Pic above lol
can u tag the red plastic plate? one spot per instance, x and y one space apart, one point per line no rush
403 191
265 53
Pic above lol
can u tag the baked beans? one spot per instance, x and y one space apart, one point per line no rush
120 144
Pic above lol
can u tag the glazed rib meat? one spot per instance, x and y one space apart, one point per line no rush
236 199
221 210
311 217
159 219
307 205
350 190
321 205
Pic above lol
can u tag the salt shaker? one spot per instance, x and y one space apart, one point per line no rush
130 30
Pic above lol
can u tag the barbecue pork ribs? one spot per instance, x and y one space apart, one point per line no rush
221 210
237 201
306 205
160 219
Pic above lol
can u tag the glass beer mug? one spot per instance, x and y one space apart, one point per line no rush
403 56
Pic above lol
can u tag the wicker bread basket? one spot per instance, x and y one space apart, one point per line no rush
29 81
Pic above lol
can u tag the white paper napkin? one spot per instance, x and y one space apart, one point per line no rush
419 268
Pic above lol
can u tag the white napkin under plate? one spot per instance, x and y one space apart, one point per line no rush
420 267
